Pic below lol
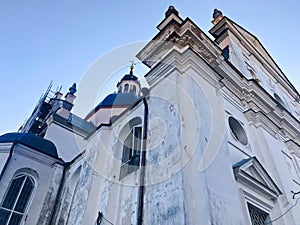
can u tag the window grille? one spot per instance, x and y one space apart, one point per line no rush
15 202
258 217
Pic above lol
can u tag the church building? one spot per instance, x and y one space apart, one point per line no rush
214 139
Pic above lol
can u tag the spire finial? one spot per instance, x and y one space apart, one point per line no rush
217 13
132 66
72 89
171 10
217 16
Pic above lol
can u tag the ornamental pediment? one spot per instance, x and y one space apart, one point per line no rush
252 174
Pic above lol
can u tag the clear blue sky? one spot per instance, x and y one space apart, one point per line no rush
59 40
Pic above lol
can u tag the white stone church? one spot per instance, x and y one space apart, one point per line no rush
213 140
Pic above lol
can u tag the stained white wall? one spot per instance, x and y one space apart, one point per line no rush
47 181
68 143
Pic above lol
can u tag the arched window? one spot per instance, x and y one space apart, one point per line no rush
126 88
16 199
133 89
132 147
131 136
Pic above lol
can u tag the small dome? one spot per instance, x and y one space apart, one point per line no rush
32 141
129 77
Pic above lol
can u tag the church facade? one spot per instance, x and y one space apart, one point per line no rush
214 139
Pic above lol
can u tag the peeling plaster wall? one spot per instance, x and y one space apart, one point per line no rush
164 203
81 195
117 197
190 154
178 192
181 132
55 179
164 199
75 193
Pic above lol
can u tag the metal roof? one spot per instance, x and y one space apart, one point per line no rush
32 141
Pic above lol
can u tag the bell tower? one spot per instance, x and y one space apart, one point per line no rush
129 83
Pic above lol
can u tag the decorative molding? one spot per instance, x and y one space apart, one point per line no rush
252 174
293 147
5 147
252 44
169 50
183 60
35 155
180 35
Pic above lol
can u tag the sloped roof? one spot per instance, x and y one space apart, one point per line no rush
32 141
75 123
88 127
115 100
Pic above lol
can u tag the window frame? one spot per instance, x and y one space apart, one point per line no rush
20 191
126 88
257 189
258 208
238 131
131 154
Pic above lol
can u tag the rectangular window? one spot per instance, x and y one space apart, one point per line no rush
131 152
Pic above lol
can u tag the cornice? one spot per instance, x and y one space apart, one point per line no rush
5 147
169 51
183 60
269 65
254 98
35 155
247 94
181 36
293 147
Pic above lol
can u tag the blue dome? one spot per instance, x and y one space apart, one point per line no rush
129 77
32 141
118 99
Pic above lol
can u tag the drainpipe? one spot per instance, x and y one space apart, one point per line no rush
143 165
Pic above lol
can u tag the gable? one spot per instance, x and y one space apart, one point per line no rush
252 40
261 53
253 45
252 174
